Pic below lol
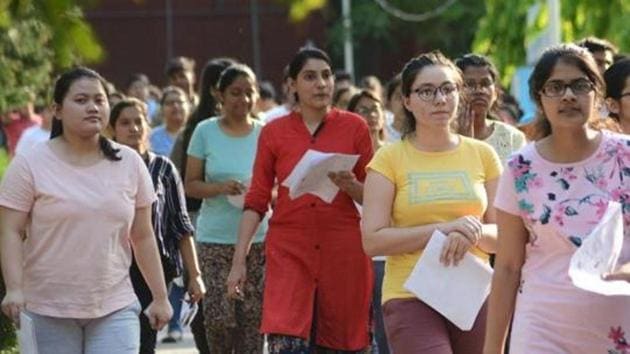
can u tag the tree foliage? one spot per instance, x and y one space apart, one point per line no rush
25 62
503 32
37 38
379 36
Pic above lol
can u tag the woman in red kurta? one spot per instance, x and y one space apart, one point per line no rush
318 280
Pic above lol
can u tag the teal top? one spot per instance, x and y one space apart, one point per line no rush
225 157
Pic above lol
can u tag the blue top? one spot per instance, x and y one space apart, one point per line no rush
161 141
224 157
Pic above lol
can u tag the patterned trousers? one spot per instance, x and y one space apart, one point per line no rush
232 325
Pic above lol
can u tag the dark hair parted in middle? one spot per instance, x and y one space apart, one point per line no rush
411 71
302 56
354 101
300 59
62 86
571 54
114 114
477 60
233 72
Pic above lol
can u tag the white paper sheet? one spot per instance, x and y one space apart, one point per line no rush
26 335
457 292
187 313
310 175
598 254
239 200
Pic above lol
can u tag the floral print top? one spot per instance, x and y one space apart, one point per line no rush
560 204
574 196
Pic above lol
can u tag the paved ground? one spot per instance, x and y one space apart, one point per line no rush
186 346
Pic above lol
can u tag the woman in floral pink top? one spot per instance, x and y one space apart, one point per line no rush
550 198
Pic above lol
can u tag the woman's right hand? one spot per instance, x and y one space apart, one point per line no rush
454 249
232 187
159 312
236 280
13 304
469 226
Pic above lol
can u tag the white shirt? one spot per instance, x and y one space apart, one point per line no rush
274 113
31 137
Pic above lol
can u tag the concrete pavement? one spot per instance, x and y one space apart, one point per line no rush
186 346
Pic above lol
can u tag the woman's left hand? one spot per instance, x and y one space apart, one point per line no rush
621 273
196 288
455 248
159 313
345 180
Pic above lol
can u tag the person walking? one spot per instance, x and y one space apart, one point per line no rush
308 301
70 214
433 179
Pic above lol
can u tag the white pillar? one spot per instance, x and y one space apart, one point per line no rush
347 41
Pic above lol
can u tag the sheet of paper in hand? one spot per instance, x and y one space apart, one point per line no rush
310 175
26 335
238 200
598 254
457 292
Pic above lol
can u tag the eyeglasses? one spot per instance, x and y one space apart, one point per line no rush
428 93
472 85
364 111
559 88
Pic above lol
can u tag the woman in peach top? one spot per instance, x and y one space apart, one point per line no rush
82 202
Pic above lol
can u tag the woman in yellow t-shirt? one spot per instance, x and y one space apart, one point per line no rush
433 179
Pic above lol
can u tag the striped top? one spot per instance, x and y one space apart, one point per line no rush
169 215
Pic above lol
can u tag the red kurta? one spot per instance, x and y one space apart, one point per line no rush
313 249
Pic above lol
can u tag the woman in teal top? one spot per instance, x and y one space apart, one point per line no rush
219 166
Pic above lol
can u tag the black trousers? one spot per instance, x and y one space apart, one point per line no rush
148 336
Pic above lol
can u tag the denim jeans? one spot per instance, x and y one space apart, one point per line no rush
118 332
175 297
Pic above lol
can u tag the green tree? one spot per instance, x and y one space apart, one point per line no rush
503 32
36 39
25 62
378 35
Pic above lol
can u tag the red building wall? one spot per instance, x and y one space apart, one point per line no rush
135 36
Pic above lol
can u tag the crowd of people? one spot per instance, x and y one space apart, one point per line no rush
120 207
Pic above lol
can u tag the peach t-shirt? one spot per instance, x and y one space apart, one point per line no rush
77 253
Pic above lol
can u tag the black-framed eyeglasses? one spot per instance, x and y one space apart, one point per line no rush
558 88
472 85
428 93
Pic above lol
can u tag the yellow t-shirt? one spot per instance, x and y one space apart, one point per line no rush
432 187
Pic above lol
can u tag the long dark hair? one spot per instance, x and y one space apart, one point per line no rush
62 86
208 104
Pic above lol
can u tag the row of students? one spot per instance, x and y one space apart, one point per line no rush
431 179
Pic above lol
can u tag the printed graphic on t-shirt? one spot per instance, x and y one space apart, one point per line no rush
426 187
